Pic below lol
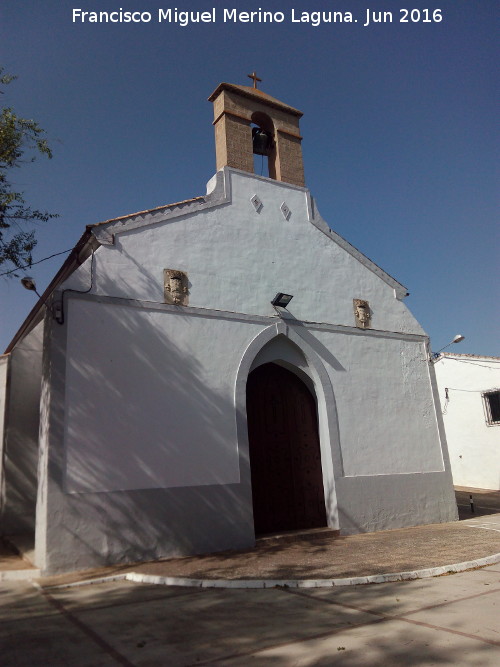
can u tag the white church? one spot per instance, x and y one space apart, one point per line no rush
216 369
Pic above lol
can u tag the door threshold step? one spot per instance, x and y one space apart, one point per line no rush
298 535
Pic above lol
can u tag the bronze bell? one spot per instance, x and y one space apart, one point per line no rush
262 141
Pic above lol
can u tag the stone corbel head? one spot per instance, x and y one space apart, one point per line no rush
175 284
362 313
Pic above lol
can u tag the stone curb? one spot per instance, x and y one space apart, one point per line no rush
138 577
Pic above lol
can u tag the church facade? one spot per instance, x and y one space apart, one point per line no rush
219 368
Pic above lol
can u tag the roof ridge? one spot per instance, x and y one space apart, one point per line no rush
465 354
148 210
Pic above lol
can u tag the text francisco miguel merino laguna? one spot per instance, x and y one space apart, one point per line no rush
231 15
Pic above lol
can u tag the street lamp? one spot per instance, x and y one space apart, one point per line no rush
457 339
56 309
28 283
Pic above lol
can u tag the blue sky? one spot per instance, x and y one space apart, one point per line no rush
399 132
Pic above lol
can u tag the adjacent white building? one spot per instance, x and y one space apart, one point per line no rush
469 392
158 403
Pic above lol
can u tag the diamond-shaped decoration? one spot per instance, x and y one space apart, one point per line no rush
286 211
257 203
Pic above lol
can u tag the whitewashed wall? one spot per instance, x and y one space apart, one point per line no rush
387 419
149 399
145 434
20 456
4 366
238 258
4 363
474 446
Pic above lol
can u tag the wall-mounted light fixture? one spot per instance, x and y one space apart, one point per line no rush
29 283
282 300
457 339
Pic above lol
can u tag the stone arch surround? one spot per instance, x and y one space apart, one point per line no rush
315 372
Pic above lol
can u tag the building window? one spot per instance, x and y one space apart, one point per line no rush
492 404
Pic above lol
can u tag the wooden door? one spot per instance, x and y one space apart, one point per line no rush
285 458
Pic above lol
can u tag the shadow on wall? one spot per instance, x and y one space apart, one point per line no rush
20 451
131 376
323 352
129 382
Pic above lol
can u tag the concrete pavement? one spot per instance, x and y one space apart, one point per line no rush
450 620
484 502
447 620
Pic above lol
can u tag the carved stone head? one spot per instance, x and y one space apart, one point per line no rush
362 313
175 287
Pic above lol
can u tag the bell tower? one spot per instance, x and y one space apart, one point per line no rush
275 131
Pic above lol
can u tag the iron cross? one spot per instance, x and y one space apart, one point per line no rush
255 78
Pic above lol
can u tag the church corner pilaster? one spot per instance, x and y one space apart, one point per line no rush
41 517
51 440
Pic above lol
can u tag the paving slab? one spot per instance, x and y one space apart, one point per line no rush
201 625
484 622
406 597
114 595
449 620
21 600
51 641
34 632
388 644
491 568
225 621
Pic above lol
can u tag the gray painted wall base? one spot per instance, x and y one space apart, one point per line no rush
382 502
96 530
154 524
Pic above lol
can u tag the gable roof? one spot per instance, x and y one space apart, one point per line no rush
219 193
146 211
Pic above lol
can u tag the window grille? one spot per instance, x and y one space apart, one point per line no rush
492 404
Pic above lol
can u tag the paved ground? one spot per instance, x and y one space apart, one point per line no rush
483 502
446 621
322 555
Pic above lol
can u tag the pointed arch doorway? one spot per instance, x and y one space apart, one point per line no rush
285 456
